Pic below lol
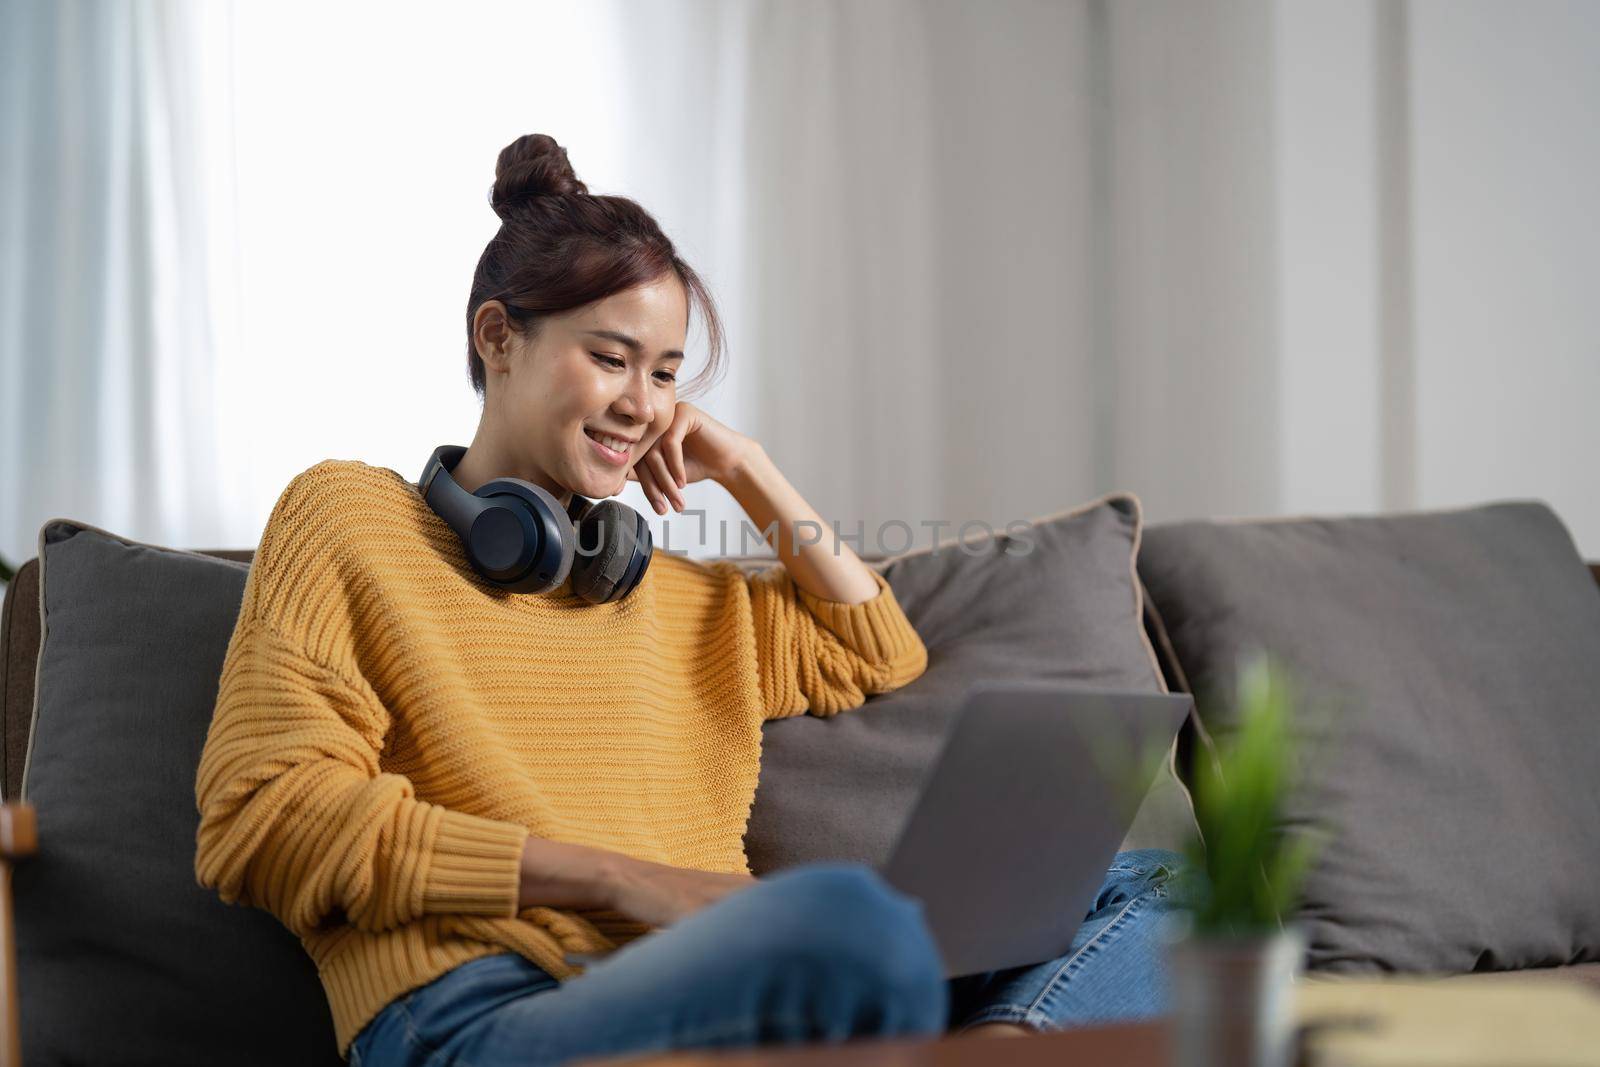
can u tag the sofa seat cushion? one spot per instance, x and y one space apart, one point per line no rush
1451 668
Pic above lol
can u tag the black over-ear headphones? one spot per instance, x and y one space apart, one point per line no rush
519 537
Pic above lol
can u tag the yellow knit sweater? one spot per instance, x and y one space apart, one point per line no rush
390 727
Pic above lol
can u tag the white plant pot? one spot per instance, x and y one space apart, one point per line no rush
1232 999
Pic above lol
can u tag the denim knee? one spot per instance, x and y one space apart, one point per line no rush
866 935
1140 871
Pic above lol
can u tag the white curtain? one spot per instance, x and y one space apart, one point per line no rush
906 197
114 212
1242 257
978 261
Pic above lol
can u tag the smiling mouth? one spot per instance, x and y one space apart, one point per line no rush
614 448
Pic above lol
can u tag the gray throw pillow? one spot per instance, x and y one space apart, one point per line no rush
1067 611
1452 659
121 956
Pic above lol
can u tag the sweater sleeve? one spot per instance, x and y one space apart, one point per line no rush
826 656
296 817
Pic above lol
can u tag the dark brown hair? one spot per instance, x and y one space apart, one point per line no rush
560 248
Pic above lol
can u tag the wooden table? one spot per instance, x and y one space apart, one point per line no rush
1487 1021
1133 1045
1390 1022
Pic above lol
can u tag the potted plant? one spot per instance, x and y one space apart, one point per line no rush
1233 962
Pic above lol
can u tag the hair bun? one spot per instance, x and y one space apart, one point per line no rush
532 166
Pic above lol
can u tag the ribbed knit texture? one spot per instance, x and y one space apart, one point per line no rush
390 727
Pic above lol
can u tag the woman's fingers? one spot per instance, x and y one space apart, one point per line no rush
647 482
664 480
673 444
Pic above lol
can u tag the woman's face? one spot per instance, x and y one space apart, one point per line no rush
608 369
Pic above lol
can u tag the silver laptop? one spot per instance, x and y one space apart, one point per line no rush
1021 815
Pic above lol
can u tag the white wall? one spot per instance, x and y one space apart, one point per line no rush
1505 123
1328 202
1354 255
1191 256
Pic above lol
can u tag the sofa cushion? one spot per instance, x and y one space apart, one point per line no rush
118 947
1063 607
1451 668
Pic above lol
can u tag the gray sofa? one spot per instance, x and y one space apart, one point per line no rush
1452 659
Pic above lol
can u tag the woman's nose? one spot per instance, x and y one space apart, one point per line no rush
635 403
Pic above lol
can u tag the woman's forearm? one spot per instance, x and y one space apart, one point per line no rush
556 874
823 566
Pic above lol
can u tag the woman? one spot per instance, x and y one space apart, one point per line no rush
508 827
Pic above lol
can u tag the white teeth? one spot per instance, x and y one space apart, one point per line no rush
616 444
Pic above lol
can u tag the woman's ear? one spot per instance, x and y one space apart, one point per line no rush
491 334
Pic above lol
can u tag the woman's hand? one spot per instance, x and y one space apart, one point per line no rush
660 895
693 448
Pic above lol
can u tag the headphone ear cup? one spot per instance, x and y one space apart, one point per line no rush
614 546
525 542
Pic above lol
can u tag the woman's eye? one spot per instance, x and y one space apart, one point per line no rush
613 361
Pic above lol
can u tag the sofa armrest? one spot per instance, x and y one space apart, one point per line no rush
19 838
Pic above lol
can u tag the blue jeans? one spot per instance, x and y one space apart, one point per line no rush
822 952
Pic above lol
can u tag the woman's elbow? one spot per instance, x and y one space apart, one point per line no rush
906 667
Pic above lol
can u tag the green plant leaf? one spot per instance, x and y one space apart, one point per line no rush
1251 869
